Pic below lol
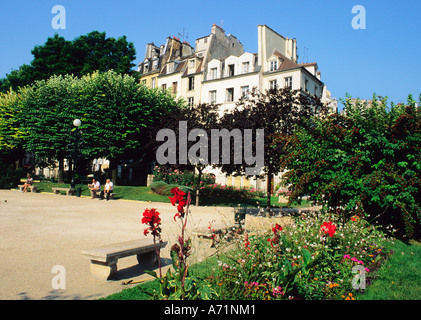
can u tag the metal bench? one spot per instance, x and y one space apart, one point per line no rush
69 191
104 259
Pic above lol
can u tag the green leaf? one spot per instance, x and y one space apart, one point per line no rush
152 273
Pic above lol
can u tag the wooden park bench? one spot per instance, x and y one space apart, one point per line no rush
69 191
104 259
33 188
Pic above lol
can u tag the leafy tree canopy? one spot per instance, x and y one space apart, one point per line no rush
366 161
85 54
115 109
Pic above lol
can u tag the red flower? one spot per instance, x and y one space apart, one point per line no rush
328 228
177 215
178 198
276 228
151 218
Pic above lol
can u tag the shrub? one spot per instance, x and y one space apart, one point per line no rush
366 161
178 177
164 189
231 192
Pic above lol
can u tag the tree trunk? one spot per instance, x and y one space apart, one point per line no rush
268 192
113 171
60 173
199 177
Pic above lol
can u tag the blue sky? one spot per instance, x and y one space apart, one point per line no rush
384 58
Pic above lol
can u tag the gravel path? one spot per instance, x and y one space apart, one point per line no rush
42 236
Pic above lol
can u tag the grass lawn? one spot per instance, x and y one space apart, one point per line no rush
400 278
202 269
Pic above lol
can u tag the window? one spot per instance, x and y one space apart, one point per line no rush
190 101
245 92
288 82
306 85
230 70
273 84
153 84
229 95
315 90
155 65
191 83
146 68
164 87
212 97
191 64
246 66
170 68
174 87
274 65
213 73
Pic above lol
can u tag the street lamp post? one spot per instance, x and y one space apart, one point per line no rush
77 124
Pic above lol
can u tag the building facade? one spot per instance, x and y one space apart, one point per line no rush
218 71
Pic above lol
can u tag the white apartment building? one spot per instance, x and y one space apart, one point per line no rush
275 65
220 72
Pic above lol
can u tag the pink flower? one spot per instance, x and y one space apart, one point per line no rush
347 256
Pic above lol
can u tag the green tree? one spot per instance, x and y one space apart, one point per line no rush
83 55
278 112
364 162
11 135
203 117
116 113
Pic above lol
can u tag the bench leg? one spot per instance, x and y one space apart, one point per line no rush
147 259
103 270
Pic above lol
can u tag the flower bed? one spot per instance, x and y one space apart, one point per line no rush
314 258
230 192
181 178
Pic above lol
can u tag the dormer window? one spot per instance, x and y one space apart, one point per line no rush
230 70
246 66
213 73
273 65
170 68
155 65
146 68
191 64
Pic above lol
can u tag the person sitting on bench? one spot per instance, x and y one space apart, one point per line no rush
94 187
108 189
28 183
